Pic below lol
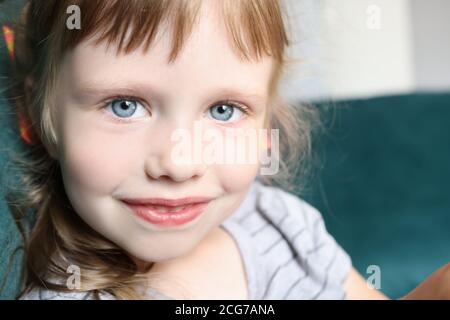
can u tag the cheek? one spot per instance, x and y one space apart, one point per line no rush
239 153
94 160
236 178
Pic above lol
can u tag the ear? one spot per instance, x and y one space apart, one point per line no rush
266 139
51 148
51 152
29 86
273 106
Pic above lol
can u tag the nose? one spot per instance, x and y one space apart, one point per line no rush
163 162
164 167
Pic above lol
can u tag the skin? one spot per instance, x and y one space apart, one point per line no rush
103 160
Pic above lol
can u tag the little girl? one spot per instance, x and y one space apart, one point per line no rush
102 88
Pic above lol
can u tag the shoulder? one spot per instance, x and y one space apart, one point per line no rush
282 210
296 256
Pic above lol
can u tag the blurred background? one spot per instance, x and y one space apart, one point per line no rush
379 71
361 48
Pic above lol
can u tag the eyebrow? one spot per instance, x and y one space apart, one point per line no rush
93 89
230 92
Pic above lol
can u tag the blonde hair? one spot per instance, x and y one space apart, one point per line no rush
59 237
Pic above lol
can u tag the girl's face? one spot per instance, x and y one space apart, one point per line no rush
115 149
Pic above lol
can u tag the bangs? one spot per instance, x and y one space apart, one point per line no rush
254 27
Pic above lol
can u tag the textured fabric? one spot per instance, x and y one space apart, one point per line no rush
286 250
43 294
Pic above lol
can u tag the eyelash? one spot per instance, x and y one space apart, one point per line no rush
246 110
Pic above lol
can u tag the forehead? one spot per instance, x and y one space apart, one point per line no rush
207 61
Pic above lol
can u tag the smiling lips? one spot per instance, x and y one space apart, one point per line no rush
168 212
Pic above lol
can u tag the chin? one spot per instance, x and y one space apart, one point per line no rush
160 252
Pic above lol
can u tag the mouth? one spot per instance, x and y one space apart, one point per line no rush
168 212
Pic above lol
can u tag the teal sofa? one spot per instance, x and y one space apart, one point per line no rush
10 239
382 183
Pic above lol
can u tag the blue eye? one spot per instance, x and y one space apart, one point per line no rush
126 108
225 111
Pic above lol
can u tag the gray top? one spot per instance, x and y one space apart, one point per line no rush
285 247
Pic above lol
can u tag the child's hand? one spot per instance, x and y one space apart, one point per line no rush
435 287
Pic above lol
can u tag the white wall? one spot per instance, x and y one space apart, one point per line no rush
346 53
431 30
305 79
368 47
